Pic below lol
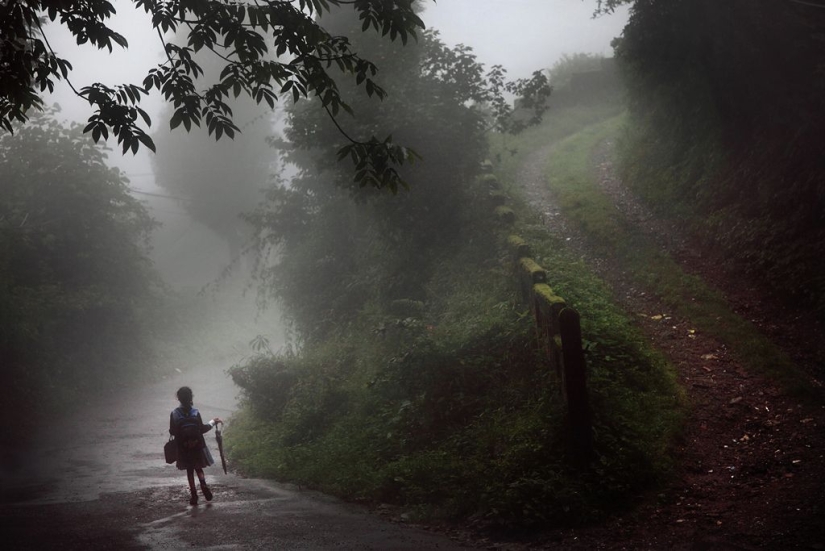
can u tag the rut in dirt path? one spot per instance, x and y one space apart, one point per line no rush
750 459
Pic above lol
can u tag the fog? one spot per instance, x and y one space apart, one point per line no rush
525 35
365 338
522 35
195 258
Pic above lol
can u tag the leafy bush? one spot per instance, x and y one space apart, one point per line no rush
267 381
455 413
417 379
75 281
565 67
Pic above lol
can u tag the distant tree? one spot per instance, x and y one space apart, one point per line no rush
74 273
569 64
217 182
609 6
326 224
268 49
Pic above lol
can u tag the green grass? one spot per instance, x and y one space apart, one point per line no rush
570 176
453 412
509 152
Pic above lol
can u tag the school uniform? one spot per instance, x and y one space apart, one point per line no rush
197 456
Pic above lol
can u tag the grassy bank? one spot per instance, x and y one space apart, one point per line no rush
570 175
446 408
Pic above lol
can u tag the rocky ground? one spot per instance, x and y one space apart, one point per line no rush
751 461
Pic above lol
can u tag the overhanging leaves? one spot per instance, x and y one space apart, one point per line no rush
247 37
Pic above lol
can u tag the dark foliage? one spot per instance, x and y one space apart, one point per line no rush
336 244
728 104
269 50
73 271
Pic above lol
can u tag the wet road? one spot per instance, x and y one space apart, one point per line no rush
98 481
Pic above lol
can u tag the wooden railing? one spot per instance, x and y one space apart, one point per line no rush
558 332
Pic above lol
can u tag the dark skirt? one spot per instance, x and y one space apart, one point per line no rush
194 459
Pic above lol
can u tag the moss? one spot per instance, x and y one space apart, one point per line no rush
498 198
505 214
489 180
546 294
518 246
531 268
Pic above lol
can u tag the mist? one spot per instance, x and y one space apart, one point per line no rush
200 247
546 277
523 36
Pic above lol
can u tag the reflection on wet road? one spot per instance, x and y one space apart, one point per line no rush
116 443
98 481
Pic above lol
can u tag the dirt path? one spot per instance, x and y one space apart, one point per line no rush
98 481
751 464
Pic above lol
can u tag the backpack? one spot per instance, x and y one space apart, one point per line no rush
188 429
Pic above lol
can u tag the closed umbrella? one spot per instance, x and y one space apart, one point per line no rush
219 438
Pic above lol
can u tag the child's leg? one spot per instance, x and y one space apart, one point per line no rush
190 476
207 493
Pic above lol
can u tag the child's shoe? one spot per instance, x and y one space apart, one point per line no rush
193 500
207 493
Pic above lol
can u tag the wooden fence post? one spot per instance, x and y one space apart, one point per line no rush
575 384
559 333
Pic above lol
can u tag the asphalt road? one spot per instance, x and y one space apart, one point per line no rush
98 481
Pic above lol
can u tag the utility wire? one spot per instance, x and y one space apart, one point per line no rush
811 4
153 194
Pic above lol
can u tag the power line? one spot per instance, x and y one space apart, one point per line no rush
153 194
810 4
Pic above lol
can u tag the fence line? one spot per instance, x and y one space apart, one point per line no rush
558 332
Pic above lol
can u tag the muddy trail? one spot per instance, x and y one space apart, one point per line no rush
751 459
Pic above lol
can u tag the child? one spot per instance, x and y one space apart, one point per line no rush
186 425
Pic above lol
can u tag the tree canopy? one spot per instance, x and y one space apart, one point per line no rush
268 49
442 102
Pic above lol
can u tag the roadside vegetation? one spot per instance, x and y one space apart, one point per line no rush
82 309
570 175
724 145
414 377
75 282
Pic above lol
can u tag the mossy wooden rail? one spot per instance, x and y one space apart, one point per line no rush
559 335
557 329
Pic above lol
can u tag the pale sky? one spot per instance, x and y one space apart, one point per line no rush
524 35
